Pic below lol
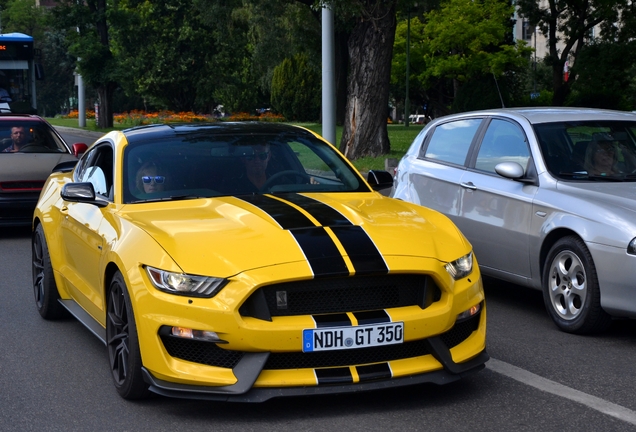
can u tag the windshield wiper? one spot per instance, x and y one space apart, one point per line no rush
583 175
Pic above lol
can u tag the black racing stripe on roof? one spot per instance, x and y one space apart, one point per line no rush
364 255
287 216
327 216
324 257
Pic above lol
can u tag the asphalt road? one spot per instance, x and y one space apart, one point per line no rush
54 377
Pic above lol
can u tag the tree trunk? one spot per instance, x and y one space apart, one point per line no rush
370 51
105 116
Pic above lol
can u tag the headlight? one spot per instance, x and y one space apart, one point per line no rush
461 267
631 248
185 284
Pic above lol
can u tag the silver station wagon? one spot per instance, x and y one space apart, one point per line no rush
546 196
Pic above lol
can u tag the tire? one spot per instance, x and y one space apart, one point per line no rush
44 287
124 356
571 291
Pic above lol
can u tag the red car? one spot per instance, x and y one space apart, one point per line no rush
29 150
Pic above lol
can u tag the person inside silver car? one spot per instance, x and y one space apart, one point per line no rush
606 157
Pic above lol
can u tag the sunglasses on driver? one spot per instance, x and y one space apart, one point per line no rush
260 156
151 179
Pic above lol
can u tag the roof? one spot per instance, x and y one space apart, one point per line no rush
15 37
537 115
217 128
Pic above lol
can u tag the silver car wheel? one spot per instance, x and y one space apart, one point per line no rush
567 285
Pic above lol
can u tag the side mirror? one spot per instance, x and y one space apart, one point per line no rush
66 166
79 149
511 170
82 193
380 179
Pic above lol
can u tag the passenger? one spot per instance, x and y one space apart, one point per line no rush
18 139
148 179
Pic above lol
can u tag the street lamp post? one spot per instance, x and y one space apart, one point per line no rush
407 102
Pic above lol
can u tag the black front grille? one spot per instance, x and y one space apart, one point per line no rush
348 294
207 353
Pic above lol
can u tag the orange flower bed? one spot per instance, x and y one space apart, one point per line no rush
138 117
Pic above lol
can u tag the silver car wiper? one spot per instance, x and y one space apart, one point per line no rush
583 175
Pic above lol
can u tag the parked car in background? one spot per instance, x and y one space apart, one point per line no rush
245 261
29 149
547 198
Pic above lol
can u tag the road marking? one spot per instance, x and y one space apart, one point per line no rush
555 388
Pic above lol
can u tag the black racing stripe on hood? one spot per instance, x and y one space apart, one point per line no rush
364 255
321 252
327 216
287 216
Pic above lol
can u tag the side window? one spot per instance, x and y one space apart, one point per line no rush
97 168
503 142
451 141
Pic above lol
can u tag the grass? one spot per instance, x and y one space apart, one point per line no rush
400 138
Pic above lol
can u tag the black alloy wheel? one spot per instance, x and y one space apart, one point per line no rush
123 345
44 287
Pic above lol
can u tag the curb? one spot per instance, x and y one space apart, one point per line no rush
81 132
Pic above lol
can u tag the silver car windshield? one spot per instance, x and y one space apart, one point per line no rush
589 150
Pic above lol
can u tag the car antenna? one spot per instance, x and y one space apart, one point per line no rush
497 84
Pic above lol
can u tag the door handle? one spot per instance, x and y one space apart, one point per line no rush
468 185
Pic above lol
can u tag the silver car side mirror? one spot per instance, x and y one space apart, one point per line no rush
511 170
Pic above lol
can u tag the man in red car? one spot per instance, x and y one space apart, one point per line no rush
18 138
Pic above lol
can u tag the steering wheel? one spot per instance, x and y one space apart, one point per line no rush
270 181
34 148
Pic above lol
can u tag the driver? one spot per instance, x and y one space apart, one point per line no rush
254 160
18 139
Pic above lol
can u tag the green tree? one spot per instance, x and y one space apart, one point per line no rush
466 39
296 89
24 16
372 26
567 25
164 50
90 43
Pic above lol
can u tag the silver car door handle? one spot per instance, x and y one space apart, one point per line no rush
468 185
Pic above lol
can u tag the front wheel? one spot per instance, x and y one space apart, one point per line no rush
571 290
124 355
44 287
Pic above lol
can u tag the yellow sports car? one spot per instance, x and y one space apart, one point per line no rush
245 261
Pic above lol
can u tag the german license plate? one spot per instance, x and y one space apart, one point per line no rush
338 338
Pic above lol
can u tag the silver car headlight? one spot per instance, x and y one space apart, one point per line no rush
185 284
461 267
631 247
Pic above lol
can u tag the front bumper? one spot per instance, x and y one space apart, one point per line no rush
251 366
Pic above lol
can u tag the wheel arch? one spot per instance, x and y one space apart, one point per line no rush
549 241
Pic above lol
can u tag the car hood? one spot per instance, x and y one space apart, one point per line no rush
232 234
30 166
617 195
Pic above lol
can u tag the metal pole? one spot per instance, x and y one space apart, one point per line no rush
407 102
81 107
328 78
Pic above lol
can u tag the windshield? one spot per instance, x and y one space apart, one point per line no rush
589 150
210 165
29 137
